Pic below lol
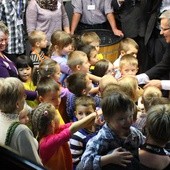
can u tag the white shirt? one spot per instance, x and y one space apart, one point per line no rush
142 78
165 84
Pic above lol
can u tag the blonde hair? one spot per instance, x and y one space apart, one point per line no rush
89 37
152 91
59 40
105 80
129 86
128 59
11 90
36 36
125 44
76 58
150 94
4 28
109 89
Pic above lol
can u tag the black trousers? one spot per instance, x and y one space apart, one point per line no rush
82 26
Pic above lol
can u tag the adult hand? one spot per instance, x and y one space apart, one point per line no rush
156 83
118 32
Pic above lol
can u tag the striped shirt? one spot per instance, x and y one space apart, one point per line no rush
12 14
78 144
37 58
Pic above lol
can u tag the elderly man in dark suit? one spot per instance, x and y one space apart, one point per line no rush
163 67
155 42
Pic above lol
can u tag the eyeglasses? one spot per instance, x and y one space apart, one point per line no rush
164 29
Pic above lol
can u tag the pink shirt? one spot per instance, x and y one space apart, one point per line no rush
51 143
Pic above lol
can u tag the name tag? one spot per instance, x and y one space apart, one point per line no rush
19 21
90 7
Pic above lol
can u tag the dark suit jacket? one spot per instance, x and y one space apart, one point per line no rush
161 68
132 19
153 8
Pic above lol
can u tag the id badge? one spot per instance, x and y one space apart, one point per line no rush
90 7
19 21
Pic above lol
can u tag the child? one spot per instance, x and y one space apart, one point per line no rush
128 65
105 81
49 92
150 95
78 62
24 114
84 106
91 54
158 135
103 67
116 134
53 138
78 84
13 134
38 41
109 89
50 68
127 46
91 38
61 46
25 68
129 86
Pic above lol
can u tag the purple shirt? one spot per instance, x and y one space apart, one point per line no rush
65 69
62 61
7 68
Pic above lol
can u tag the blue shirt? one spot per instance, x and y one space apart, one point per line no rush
104 142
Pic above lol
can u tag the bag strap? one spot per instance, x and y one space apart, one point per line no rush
10 132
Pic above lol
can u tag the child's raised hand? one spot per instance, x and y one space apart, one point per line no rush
121 157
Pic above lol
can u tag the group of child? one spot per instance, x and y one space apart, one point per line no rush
85 115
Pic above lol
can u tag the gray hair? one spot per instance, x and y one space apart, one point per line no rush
166 14
11 90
